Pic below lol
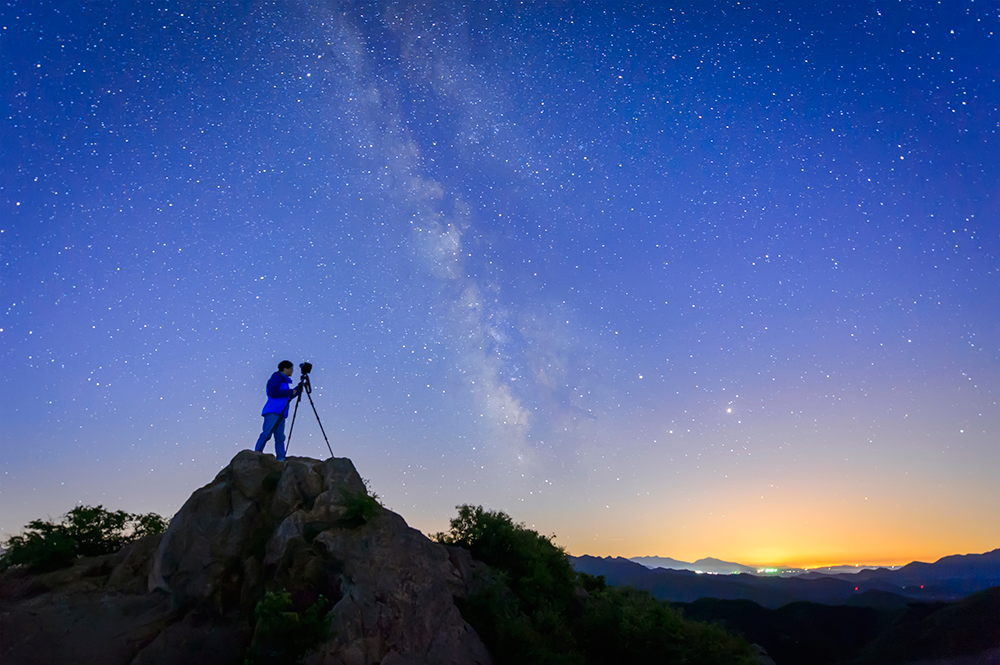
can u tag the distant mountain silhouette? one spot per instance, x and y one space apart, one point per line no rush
948 579
711 565
872 617
959 574
662 562
846 569
708 565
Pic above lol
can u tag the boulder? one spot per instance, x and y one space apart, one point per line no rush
96 611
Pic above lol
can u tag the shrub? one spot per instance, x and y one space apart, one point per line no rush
538 571
83 531
531 608
521 607
283 636
42 547
630 626
360 506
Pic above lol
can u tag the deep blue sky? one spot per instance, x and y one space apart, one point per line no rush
687 279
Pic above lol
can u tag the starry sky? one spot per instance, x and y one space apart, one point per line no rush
682 279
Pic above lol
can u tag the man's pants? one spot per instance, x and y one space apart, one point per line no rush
274 421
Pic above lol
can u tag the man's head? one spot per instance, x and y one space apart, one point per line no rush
286 367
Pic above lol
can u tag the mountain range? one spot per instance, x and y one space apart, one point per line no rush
948 579
707 565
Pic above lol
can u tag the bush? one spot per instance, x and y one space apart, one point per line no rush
521 607
538 572
42 547
360 506
84 531
532 608
630 626
283 636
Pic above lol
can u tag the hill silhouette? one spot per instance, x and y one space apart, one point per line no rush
706 565
947 578
966 631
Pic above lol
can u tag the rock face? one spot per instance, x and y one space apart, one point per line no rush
261 525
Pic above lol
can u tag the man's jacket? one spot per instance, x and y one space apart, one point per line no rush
279 389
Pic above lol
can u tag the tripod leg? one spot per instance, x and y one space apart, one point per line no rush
313 405
292 428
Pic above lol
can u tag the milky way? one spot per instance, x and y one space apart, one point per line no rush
690 279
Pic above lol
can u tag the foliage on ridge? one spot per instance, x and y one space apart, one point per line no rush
360 506
530 607
83 531
283 636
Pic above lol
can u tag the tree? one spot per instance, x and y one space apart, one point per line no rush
531 608
83 531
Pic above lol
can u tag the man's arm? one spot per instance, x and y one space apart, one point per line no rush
276 387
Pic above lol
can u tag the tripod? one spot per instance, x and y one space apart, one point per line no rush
306 386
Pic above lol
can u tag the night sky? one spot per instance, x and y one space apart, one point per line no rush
679 279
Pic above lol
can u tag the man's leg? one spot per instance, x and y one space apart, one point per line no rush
269 420
279 439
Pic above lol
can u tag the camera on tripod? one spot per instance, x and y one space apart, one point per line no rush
304 381
305 386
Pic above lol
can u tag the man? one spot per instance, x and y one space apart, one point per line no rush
279 394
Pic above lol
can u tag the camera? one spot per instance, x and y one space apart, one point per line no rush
305 368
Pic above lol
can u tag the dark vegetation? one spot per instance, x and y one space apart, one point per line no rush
807 633
359 506
283 636
530 607
84 531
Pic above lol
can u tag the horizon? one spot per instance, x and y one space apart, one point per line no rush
677 278
783 564
869 564
809 567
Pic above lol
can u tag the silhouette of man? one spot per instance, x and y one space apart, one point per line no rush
279 394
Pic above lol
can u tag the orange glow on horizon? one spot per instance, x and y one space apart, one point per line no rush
810 524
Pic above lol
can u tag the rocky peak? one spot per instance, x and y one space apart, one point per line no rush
265 525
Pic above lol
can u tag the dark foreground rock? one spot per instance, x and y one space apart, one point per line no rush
188 596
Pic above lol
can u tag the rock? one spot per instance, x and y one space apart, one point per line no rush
263 525
188 595
197 639
132 563
77 615
391 610
762 657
